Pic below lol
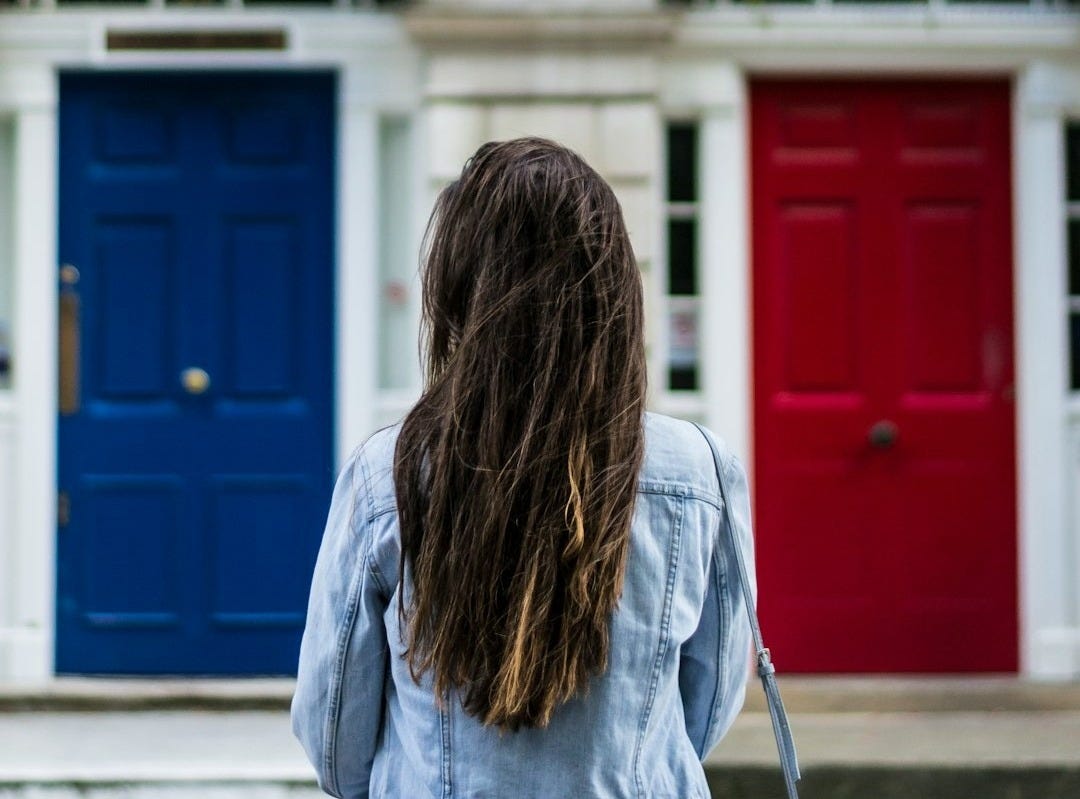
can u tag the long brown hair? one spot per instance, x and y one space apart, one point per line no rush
516 471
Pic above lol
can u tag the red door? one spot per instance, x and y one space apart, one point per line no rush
883 375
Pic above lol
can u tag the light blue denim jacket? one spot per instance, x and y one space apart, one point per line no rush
676 676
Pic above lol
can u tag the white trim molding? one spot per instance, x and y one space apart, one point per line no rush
1048 465
712 87
378 73
29 634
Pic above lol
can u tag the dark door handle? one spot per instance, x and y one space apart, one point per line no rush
883 434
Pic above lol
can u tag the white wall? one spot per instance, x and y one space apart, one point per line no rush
603 105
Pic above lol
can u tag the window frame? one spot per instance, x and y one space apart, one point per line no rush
690 399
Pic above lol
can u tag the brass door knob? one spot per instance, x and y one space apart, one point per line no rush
195 380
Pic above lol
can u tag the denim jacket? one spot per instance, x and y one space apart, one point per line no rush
676 674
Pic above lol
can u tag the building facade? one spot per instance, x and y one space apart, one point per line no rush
858 227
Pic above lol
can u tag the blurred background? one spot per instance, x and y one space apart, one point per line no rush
858 225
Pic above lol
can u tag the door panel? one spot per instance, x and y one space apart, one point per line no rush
198 212
882 313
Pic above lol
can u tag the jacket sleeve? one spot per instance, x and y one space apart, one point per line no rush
337 707
715 660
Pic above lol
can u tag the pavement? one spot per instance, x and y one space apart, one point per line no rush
867 738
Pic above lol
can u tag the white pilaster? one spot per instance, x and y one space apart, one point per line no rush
31 571
7 533
357 278
1048 648
724 255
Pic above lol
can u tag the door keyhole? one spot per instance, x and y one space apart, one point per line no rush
883 434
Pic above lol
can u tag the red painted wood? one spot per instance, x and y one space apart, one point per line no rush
882 290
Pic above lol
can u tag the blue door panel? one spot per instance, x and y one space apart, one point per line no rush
198 210
259 345
244 506
123 508
132 315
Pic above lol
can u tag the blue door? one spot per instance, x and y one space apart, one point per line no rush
195 296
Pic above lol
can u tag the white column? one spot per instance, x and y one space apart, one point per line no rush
725 270
7 535
357 268
33 563
1050 641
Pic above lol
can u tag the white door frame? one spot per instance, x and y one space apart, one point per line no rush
714 83
378 74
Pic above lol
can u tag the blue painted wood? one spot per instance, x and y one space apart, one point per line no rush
198 209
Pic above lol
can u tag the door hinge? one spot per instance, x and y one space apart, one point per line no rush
63 509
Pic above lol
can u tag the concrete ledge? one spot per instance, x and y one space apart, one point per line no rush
259 789
860 782
105 693
196 754
801 694
959 694
909 740
974 755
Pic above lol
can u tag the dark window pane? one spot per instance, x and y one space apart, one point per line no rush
1072 159
5 355
1074 256
1074 337
682 162
683 378
682 256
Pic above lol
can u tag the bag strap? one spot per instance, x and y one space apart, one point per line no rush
785 744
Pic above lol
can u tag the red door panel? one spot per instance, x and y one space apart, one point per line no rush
882 294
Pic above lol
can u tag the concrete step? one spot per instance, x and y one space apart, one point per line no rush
907 755
890 694
206 743
801 694
152 755
149 693
162 789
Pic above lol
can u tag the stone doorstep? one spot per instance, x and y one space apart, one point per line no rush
166 774
856 694
971 740
199 753
88 694
186 789
883 782
930 694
